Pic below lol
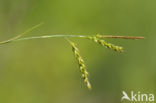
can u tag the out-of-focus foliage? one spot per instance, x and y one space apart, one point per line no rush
45 70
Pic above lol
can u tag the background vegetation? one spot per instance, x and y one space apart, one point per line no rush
44 71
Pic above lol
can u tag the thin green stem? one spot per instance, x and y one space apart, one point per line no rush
119 37
52 36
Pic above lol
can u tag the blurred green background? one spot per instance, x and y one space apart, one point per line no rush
45 70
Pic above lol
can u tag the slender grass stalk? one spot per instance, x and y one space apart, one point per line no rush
52 36
119 37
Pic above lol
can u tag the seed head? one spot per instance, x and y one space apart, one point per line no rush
81 64
104 43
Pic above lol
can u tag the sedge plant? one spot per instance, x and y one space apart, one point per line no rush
98 38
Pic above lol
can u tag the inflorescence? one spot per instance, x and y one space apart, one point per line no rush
96 38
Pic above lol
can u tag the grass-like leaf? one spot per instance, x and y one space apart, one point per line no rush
20 35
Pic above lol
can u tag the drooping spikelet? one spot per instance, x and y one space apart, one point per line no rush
81 64
104 43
